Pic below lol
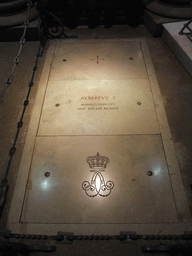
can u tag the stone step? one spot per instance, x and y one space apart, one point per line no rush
181 45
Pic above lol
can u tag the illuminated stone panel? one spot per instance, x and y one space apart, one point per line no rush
97 61
106 107
135 198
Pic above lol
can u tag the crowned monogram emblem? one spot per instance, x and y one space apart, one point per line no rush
97 186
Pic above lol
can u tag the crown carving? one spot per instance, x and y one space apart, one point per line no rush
97 161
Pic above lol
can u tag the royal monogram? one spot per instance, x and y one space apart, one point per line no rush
97 186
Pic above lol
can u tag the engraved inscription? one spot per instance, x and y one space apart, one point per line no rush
102 103
95 98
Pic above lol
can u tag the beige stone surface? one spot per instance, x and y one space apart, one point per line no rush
135 137
99 107
97 61
135 198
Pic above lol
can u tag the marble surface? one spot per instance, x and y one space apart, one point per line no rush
97 61
99 107
135 198
98 89
133 134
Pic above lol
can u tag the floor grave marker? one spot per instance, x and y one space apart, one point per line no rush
97 157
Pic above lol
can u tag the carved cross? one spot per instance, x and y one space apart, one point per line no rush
98 59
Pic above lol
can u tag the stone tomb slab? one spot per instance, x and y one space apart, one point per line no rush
98 61
94 107
59 167
98 97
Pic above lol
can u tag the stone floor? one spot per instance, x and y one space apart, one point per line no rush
174 81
